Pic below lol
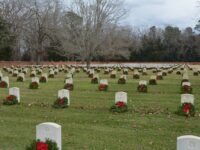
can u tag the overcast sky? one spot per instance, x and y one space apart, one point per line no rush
146 13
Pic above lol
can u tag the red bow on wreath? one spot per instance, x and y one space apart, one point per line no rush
142 87
42 146
186 108
187 88
61 101
102 87
10 98
120 104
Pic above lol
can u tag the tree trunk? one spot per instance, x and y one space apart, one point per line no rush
38 59
88 63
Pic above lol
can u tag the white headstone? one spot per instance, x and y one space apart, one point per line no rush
186 83
125 70
104 81
69 75
187 98
153 77
51 72
69 81
50 131
114 72
185 76
121 96
143 82
45 75
22 76
91 71
15 72
35 79
123 77
33 72
5 79
96 76
64 93
188 142
16 92
136 72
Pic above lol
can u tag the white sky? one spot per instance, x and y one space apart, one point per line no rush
146 13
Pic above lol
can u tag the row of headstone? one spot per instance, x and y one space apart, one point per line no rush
61 93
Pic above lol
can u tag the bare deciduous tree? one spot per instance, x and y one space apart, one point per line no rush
16 16
41 26
86 22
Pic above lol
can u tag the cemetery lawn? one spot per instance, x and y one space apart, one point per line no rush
150 123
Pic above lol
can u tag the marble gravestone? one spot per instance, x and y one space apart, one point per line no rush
121 96
16 92
187 98
64 93
188 142
50 131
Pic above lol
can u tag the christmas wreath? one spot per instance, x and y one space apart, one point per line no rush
90 75
32 75
186 109
186 89
20 79
142 88
3 84
136 76
61 103
125 72
15 74
103 87
122 81
47 145
113 76
39 72
152 82
51 75
43 79
10 100
119 107
159 77
94 80
34 85
69 86
106 72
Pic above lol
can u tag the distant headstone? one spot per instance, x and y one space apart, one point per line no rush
5 79
142 82
35 79
64 93
16 92
104 81
121 96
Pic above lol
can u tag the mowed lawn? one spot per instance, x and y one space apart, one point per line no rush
150 123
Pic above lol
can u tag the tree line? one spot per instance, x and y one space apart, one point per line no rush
87 30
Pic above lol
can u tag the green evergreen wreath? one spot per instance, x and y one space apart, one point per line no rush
186 109
119 107
34 85
61 103
186 89
35 145
10 100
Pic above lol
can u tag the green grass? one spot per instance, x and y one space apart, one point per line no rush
150 123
